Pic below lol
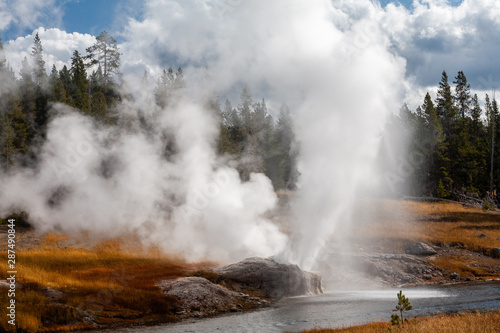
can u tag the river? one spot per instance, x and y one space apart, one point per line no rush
340 308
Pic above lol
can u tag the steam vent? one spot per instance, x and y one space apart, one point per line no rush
267 278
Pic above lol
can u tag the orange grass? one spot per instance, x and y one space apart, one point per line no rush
391 225
463 323
112 283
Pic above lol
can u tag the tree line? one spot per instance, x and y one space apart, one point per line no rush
248 134
452 144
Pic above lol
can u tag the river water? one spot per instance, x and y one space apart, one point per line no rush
340 308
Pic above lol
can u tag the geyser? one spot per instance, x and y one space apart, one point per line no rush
335 71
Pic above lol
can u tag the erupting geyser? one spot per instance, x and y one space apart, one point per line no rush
337 76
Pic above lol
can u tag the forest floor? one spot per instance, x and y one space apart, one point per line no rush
71 284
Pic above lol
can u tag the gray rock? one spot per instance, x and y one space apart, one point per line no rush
53 293
495 253
454 276
482 236
199 297
420 249
270 279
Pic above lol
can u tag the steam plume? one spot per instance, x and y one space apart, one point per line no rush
337 75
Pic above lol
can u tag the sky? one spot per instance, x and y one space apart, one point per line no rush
431 35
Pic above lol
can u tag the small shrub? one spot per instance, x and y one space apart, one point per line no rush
402 306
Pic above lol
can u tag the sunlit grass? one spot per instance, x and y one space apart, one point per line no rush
462 323
393 224
115 281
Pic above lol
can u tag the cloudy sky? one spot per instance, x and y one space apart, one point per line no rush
431 35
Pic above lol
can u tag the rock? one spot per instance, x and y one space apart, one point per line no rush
454 276
199 297
420 249
53 294
495 253
482 236
270 279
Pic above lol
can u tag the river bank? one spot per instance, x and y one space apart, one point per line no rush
74 283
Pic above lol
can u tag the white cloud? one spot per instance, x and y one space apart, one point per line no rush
58 47
29 13
436 36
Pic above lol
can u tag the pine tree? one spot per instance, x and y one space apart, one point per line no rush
57 89
164 88
98 106
462 94
491 118
27 97
179 82
434 148
447 111
287 146
39 73
444 104
79 83
479 136
40 80
231 136
496 163
67 84
105 54
245 109
7 137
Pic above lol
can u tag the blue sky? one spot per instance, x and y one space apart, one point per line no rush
89 16
83 16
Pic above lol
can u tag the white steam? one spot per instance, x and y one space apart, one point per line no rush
330 63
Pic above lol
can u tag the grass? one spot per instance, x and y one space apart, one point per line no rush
110 283
488 322
115 281
391 225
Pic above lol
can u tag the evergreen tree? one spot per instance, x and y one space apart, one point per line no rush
179 82
40 81
57 89
7 137
231 136
286 145
448 113
39 73
79 83
444 105
27 97
496 147
245 109
105 54
98 106
462 94
164 88
434 148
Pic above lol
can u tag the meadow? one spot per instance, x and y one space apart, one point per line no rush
69 284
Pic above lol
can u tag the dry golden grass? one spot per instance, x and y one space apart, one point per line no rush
116 279
462 323
113 283
390 225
